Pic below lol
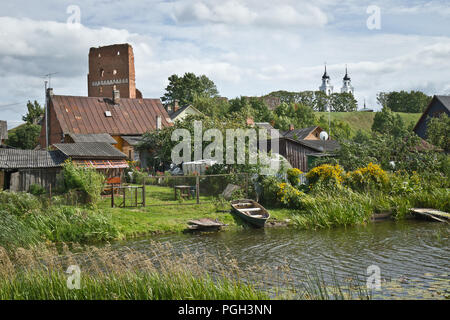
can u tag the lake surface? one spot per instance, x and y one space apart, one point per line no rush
413 256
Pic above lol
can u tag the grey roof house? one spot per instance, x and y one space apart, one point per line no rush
438 105
19 169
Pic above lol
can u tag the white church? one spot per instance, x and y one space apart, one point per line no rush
327 88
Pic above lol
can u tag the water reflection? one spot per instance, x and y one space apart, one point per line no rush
415 253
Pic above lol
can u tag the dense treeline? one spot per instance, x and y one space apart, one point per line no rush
402 101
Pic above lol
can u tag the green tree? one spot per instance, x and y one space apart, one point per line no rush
343 102
339 130
26 136
34 114
387 122
211 106
402 101
186 88
438 131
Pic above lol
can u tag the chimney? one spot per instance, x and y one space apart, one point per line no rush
158 123
176 106
250 121
49 92
291 127
116 96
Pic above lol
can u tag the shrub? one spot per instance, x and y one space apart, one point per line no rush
402 183
269 190
19 203
85 179
289 196
326 175
37 190
293 176
368 177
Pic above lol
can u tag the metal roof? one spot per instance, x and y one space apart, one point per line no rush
86 115
93 137
23 159
132 140
327 145
90 150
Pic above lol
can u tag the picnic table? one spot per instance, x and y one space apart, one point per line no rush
185 191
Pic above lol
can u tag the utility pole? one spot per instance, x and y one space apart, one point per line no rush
46 116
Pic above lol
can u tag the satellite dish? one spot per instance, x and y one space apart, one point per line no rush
323 136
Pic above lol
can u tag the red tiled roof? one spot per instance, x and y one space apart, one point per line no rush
86 115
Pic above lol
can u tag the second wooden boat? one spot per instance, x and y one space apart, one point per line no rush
250 211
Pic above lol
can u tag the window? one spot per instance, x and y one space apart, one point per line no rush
102 72
101 89
99 55
108 113
118 53
114 71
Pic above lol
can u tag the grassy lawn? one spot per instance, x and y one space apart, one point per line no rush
363 120
170 215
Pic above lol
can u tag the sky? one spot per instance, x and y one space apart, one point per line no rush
247 47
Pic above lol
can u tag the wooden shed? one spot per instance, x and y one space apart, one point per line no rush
298 151
19 169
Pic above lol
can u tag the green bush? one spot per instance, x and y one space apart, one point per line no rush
85 179
269 190
19 203
293 176
37 190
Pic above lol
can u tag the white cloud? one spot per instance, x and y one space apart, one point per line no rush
300 13
247 48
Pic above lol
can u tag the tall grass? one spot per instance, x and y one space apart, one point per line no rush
344 207
155 273
332 209
26 221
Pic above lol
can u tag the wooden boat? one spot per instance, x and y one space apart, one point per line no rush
205 224
431 214
250 211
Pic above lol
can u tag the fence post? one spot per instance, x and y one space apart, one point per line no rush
135 196
112 196
143 194
197 188
124 196
50 192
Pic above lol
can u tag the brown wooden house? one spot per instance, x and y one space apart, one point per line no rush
92 118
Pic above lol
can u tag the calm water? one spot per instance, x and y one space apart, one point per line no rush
413 256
